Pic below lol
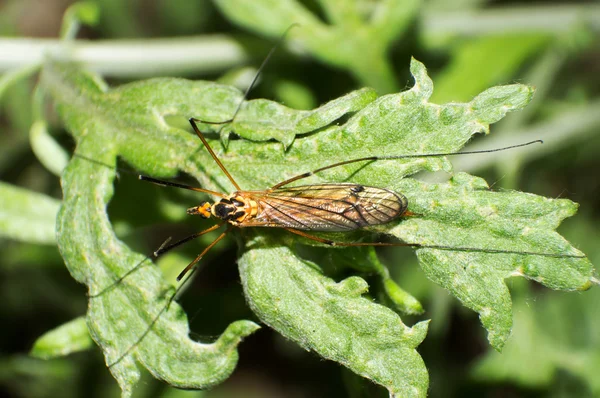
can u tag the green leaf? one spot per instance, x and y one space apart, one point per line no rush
131 122
555 334
265 120
465 213
353 38
15 75
81 12
364 259
27 216
70 337
333 319
294 94
119 317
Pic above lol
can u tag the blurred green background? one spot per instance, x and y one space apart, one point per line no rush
467 45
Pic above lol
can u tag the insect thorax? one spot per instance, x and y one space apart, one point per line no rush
234 209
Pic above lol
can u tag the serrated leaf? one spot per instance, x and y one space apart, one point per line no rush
130 122
364 259
70 337
465 213
264 120
27 216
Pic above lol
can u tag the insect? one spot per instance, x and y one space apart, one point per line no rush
329 207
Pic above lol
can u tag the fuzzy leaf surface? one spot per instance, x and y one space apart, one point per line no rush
333 319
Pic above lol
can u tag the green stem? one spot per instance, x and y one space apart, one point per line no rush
539 19
203 54
129 58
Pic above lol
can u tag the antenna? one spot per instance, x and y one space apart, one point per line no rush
255 79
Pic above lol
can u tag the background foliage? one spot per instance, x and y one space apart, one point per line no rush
468 46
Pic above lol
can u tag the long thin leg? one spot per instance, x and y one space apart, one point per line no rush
212 153
344 244
148 329
237 110
199 257
163 249
152 180
373 158
131 271
177 185
99 163
420 246
120 280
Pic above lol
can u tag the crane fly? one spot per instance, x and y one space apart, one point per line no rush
327 207
318 207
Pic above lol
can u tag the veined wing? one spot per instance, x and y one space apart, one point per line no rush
326 207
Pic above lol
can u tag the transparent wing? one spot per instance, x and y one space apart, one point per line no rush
326 207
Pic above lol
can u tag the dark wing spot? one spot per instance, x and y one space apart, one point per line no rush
357 188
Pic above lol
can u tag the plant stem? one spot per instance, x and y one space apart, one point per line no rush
203 54
129 58
550 19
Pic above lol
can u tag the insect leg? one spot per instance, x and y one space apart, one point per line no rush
199 257
374 158
161 250
174 295
178 185
345 244
212 153
151 179
438 247
164 248
237 110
